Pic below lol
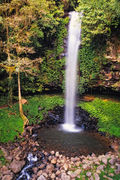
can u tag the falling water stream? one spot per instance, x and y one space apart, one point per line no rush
74 34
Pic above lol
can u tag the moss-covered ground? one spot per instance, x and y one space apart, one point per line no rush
108 114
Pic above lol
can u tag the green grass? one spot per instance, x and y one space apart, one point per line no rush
38 107
108 114
11 124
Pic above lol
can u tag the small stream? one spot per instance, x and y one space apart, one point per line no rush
26 172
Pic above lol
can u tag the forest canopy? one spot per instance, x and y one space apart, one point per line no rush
99 16
33 36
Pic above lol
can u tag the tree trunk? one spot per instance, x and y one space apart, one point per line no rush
25 120
10 90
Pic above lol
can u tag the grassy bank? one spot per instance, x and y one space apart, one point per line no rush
108 114
11 124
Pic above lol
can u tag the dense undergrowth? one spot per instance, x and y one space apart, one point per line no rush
11 124
108 114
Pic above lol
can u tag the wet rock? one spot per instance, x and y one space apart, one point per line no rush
53 176
118 167
77 163
57 154
96 176
112 161
49 168
7 177
98 171
54 161
45 174
9 158
16 166
52 152
100 168
64 176
104 160
58 172
4 170
72 174
88 174
50 158
35 169
65 167
63 160
41 178
85 166
77 172
42 166
39 173
91 178
74 159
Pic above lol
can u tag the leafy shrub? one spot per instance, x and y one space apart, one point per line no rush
108 114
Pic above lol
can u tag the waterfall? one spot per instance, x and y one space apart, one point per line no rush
74 33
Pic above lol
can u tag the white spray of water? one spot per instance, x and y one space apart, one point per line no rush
74 34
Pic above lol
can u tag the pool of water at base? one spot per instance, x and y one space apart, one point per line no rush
72 143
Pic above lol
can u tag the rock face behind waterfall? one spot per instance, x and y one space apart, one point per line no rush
109 77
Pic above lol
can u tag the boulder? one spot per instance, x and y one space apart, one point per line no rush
41 178
7 177
16 166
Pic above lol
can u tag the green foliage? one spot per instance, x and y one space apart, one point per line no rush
61 33
3 100
3 161
89 68
99 16
35 30
38 107
11 125
108 114
51 72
